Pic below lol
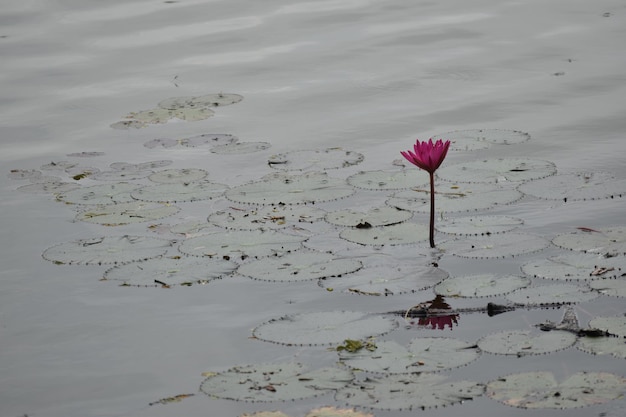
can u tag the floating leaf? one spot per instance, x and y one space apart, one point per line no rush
552 294
58 166
121 175
299 266
614 288
143 166
180 191
24 174
100 194
207 139
240 148
126 213
170 271
178 176
330 158
613 325
521 343
482 285
607 241
454 198
266 217
161 116
613 346
377 216
478 225
495 246
241 244
324 328
396 234
425 354
408 392
336 412
54 187
577 186
541 390
575 267
209 100
502 170
90 154
107 250
265 414
128 124
281 188
474 139
274 382
385 180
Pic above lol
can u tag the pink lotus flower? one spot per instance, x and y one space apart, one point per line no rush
429 156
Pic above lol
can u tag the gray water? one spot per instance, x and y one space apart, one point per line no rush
368 76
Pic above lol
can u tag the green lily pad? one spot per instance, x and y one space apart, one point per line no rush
385 180
107 250
575 267
299 266
478 225
501 171
424 354
474 139
126 213
614 325
377 216
522 343
613 346
607 241
613 288
178 176
552 294
409 392
199 102
396 234
482 285
576 186
323 328
310 160
266 217
495 246
100 194
281 188
240 148
180 191
274 382
541 390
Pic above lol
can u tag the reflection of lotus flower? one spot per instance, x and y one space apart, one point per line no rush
429 156
439 322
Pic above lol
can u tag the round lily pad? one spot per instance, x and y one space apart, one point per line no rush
128 124
451 198
241 244
209 139
377 216
310 160
281 188
53 187
170 271
24 174
409 392
478 225
85 154
502 170
196 102
161 116
100 194
58 166
482 285
323 328
495 246
614 325
396 234
613 346
180 191
143 166
266 217
121 175
274 382
240 148
191 228
126 213
385 180
606 241
78 173
575 267
336 412
474 139
107 250
577 186
299 266
614 288
424 354
552 295
178 176
521 343
541 390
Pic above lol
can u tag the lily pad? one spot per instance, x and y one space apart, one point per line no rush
80 172
577 186
541 390
323 328
310 160
552 294
126 213
161 116
575 267
142 166
607 241
478 225
299 266
613 346
241 244
377 216
86 154
266 217
424 354
107 250
452 198
121 175
336 412
495 246
522 343
24 174
281 188
385 180
53 187
170 271
100 194
474 139
408 392
180 191
128 124
178 176
198 102
274 382
209 139
396 234
240 148
482 285
613 325
613 288
501 171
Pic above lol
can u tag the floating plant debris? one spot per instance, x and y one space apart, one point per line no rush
474 139
126 213
58 166
501 171
53 187
576 186
377 216
266 217
323 328
24 174
541 390
385 180
552 294
613 325
208 100
180 191
85 154
478 225
576 267
274 382
240 148
396 234
482 285
107 250
606 241
281 188
310 160
423 354
207 139
100 194
495 246
521 343
178 176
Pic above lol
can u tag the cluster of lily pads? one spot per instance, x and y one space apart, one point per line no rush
279 229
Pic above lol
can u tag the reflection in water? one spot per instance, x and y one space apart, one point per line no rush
432 314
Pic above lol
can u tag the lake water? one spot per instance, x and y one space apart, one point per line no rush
368 76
